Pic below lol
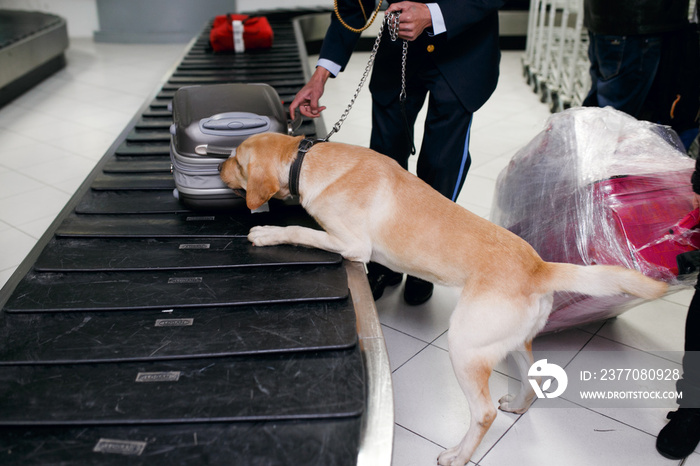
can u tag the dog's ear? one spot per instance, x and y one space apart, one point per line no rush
262 185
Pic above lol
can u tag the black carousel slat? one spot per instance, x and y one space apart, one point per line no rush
308 385
154 123
314 441
123 254
134 181
175 289
140 165
158 110
131 202
148 136
81 337
190 224
177 82
132 150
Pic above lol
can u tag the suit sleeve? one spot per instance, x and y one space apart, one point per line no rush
339 41
462 15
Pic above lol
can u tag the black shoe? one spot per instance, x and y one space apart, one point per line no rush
381 277
681 435
417 291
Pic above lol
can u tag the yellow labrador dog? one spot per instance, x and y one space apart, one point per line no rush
372 209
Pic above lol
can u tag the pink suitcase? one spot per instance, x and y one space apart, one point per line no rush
580 195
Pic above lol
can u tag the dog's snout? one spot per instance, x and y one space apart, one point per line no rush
220 166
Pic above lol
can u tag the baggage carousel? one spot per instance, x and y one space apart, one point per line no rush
32 46
138 331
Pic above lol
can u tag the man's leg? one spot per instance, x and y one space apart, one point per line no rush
392 135
444 158
681 435
623 69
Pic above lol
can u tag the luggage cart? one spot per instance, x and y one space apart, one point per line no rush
555 63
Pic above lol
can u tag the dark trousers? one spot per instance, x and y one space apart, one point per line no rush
444 158
689 383
622 70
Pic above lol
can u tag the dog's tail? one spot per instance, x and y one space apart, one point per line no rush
601 280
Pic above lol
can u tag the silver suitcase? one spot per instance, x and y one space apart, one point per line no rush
208 123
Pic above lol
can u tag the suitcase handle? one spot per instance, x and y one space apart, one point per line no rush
234 124
216 151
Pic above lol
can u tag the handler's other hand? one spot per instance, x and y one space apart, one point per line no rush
307 98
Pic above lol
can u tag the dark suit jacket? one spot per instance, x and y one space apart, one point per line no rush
467 54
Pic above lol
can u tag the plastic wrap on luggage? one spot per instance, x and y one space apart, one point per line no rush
597 186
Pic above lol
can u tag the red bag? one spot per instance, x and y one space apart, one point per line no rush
652 217
238 33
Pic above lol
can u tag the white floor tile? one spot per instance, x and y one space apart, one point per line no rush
91 144
478 191
20 209
682 297
5 274
573 436
425 322
60 169
692 460
654 326
413 450
400 346
45 127
10 141
14 183
430 403
31 155
15 246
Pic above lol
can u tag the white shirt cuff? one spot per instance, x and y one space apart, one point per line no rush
333 67
438 20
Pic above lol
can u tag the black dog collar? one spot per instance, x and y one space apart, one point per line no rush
295 169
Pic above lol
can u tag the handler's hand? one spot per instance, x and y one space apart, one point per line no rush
307 98
415 17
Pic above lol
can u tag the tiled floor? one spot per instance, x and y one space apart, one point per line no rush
51 137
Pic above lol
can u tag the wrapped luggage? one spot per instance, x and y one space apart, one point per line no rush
597 186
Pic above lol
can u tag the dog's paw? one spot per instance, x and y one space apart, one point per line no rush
513 404
451 457
266 235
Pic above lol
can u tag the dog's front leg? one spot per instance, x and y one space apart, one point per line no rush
271 235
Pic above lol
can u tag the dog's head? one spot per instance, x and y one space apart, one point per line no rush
260 166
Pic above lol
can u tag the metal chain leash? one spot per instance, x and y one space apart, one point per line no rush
392 20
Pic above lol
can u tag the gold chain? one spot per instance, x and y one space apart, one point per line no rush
374 15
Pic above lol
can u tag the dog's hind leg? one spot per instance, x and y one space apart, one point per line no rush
521 401
538 312
473 363
473 375
483 329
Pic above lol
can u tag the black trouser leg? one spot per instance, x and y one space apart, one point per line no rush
689 384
